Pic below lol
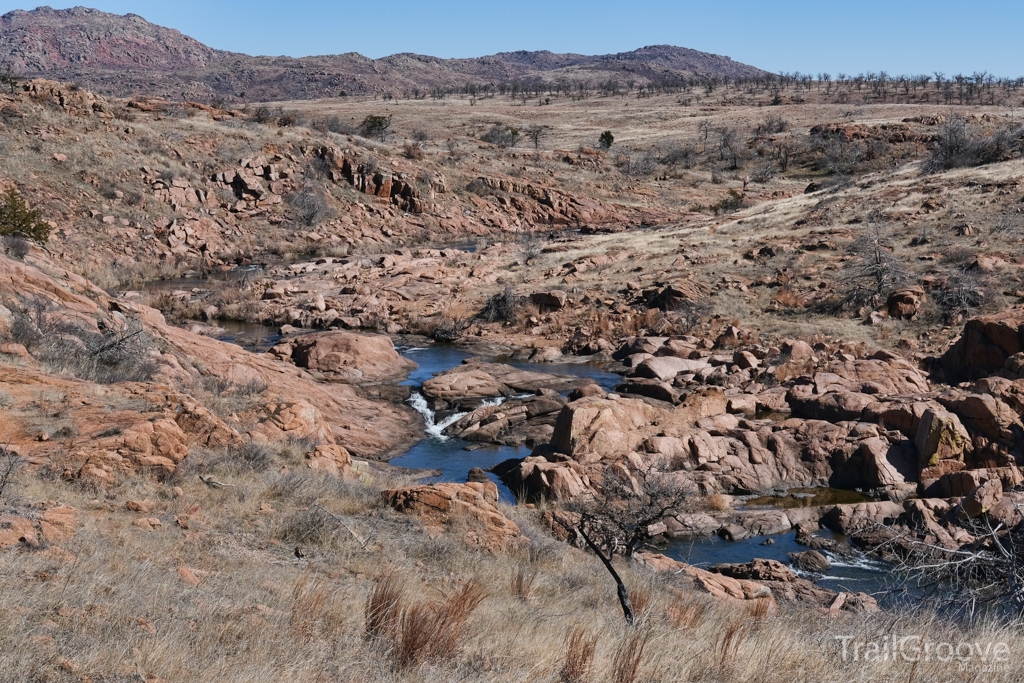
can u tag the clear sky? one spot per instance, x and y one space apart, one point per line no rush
898 36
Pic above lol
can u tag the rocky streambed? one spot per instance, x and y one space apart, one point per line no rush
487 420
733 418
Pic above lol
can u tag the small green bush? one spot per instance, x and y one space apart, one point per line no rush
17 219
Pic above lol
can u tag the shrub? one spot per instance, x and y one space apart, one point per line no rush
502 307
448 330
335 124
411 151
17 246
957 147
479 187
66 346
253 456
310 206
502 135
732 202
678 154
376 126
261 114
637 165
764 171
960 295
870 275
772 124
605 140
839 156
287 119
17 219
10 463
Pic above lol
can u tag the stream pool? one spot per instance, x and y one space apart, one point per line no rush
854 574
453 458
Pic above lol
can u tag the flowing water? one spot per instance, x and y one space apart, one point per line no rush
856 574
453 458
450 457
437 451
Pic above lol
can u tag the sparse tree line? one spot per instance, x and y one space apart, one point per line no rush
978 88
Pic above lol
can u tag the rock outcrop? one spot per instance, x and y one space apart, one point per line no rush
347 356
473 504
985 346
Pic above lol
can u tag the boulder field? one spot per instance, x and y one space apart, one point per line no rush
935 455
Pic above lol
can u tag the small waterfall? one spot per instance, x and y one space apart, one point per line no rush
434 428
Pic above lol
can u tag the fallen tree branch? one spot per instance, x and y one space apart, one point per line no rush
362 542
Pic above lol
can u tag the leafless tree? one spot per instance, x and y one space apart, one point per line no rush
10 463
872 272
704 130
728 146
535 134
623 520
960 295
990 570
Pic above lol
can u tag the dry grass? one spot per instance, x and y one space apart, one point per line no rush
434 631
109 604
579 657
403 608
629 656
522 582
383 606
718 501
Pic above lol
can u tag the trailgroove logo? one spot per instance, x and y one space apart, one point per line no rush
975 657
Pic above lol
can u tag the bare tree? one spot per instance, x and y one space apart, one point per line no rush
704 130
8 78
728 146
535 134
624 520
10 463
502 135
872 272
987 570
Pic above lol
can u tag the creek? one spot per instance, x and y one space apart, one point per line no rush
450 456
453 458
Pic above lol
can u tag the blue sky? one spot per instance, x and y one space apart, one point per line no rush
900 37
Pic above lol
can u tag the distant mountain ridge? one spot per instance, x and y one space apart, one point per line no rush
127 55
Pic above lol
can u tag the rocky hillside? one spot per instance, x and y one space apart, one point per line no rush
126 55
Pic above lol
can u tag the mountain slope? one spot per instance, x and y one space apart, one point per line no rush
126 55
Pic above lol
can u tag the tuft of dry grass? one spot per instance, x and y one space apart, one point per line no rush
383 607
685 615
641 600
760 609
433 632
628 657
718 501
522 582
730 641
579 656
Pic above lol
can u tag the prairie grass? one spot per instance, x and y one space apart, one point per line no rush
110 602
